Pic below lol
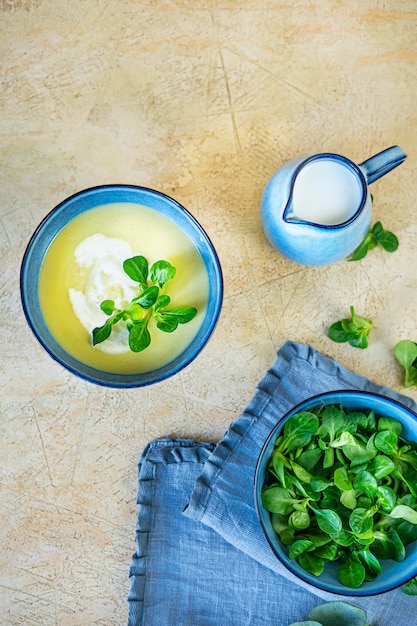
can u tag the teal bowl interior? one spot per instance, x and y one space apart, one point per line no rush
71 208
394 574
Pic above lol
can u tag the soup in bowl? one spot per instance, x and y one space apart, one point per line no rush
121 285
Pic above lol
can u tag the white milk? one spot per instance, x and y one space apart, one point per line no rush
326 192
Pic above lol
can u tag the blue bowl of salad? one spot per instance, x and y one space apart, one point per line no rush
336 493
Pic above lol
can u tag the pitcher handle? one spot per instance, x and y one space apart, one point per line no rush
382 163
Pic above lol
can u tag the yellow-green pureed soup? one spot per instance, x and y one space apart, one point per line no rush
148 233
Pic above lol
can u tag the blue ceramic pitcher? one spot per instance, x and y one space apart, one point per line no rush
316 210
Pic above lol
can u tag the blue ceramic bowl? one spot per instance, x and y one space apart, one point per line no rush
84 201
394 574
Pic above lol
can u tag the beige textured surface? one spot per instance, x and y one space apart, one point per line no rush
202 100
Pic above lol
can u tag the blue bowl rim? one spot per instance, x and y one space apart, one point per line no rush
108 379
350 592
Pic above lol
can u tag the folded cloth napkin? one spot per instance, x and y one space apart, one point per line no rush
201 558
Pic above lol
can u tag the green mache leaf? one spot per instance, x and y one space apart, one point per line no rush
389 241
370 446
166 324
328 520
133 313
286 536
351 573
343 538
370 562
348 498
162 272
319 539
337 333
371 420
386 498
181 314
359 341
386 238
407 532
354 330
328 552
410 588
345 439
390 423
388 545
162 302
320 483
387 442
338 612
309 458
405 352
277 500
298 430
410 457
356 420
298 547
360 522
150 300
360 322
101 333
137 269
341 478
409 500
376 235
107 306
361 251
139 337
401 511
299 520
398 548
377 231
360 461
349 326
311 563
300 472
279 522
328 460
277 463
332 420
382 545
365 482
409 476
148 297
381 466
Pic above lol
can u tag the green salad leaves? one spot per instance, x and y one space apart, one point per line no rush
337 612
376 235
342 487
405 352
354 330
150 303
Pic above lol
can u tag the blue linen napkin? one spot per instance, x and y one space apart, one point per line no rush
201 558
183 573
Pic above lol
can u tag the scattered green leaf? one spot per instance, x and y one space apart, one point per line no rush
405 352
339 612
354 330
376 235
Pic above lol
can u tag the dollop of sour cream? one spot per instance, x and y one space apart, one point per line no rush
103 258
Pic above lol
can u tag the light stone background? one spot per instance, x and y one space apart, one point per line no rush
202 100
